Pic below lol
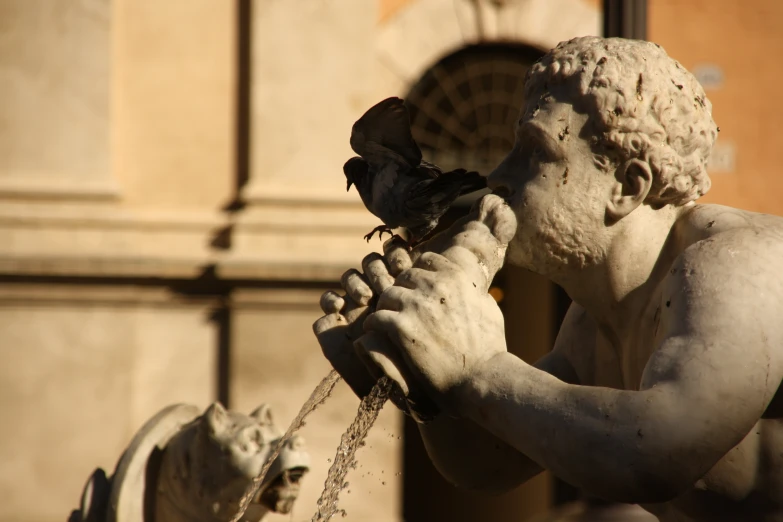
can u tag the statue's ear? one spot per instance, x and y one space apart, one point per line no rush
634 181
215 417
263 414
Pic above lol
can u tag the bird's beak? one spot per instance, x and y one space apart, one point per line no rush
349 185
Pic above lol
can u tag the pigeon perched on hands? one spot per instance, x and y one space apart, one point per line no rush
393 181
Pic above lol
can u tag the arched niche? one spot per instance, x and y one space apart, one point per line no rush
464 106
421 32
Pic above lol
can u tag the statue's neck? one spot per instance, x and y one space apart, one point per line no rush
619 288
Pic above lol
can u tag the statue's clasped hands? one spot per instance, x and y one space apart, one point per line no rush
424 317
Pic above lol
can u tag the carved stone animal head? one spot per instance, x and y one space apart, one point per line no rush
208 465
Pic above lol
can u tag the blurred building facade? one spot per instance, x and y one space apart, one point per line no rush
172 205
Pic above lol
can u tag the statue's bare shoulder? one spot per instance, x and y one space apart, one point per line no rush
724 225
731 256
722 299
726 258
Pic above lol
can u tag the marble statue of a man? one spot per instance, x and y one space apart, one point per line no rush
662 386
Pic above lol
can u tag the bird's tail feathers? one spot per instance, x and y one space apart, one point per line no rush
431 194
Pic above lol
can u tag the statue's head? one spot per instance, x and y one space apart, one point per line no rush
609 126
208 465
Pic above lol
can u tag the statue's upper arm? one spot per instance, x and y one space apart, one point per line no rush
571 359
717 363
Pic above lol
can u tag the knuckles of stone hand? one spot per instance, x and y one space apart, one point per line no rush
433 262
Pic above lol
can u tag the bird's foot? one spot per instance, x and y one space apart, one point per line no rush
382 229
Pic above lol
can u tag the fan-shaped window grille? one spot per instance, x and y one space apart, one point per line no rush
464 107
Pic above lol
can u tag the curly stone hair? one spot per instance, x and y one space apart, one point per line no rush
641 103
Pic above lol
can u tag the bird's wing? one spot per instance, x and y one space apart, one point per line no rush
432 197
383 133
429 170
383 183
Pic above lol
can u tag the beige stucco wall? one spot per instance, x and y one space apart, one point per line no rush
54 83
82 370
172 99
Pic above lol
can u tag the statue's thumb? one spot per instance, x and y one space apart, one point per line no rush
493 213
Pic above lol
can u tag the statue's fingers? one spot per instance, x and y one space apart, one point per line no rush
334 335
386 322
331 302
352 311
327 322
398 257
381 345
376 272
382 358
356 286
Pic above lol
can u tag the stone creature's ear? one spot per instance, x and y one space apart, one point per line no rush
263 414
215 416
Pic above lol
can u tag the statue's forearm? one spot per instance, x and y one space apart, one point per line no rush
608 442
470 457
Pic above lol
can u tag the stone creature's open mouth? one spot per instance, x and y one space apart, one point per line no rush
280 495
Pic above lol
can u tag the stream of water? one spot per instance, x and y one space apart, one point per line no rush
344 460
319 395
351 440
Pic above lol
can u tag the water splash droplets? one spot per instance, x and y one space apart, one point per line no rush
350 442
